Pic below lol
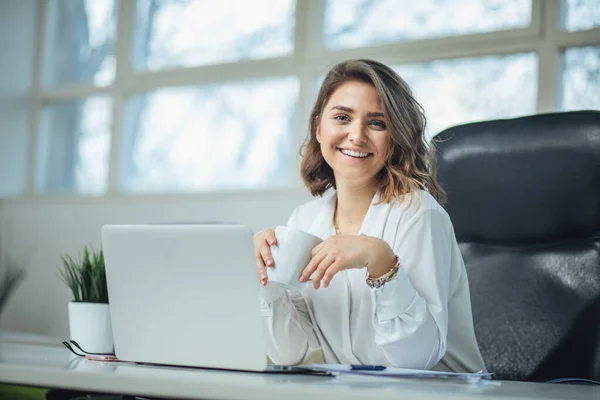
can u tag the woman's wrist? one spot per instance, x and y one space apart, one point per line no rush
381 258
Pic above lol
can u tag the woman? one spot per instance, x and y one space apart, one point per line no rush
389 282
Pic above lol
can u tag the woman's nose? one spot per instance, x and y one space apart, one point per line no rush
357 134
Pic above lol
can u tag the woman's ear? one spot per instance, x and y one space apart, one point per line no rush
318 129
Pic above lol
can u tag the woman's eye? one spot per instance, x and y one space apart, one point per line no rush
379 124
342 117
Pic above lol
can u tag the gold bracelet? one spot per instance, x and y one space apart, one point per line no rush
378 282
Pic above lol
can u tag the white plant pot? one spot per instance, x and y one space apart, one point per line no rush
90 326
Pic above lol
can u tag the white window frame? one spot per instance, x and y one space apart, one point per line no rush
308 60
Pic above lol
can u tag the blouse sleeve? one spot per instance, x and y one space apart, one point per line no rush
410 314
288 328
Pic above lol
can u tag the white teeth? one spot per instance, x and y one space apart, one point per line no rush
354 153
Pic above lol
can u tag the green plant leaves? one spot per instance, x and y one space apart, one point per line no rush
85 277
12 275
12 272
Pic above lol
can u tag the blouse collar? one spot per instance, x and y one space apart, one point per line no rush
373 224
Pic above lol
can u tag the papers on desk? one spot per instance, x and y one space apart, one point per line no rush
390 372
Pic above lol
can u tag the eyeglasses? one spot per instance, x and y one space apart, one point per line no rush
89 355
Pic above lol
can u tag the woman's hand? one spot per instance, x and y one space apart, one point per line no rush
342 252
262 250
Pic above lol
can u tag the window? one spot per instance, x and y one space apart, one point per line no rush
80 42
173 96
356 23
464 90
76 138
172 33
578 15
581 79
222 136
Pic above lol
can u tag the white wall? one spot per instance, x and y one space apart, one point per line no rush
17 38
38 231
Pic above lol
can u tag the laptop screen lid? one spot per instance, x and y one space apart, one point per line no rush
184 295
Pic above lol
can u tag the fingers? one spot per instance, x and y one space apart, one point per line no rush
262 245
265 252
325 263
330 272
317 248
321 270
312 266
270 237
260 269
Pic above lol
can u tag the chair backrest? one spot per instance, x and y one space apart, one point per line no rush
524 198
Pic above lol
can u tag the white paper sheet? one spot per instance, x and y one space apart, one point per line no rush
391 372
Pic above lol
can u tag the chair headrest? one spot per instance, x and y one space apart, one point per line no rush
529 179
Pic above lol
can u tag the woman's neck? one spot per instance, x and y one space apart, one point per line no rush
353 202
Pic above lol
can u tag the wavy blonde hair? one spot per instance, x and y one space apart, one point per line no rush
411 162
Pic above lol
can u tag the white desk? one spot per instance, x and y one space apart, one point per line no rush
37 363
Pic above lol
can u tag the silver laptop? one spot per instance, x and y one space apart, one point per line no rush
185 295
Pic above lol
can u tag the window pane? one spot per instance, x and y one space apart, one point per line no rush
74 146
581 79
578 15
464 90
356 23
221 136
172 33
79 44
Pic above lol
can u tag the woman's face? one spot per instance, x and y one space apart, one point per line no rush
353 134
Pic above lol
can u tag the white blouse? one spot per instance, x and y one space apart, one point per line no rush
420 319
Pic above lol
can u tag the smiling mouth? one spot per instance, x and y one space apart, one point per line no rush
355 154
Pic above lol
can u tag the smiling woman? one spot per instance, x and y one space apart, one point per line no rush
354 139
351 115
389 285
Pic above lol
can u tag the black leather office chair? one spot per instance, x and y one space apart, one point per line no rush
524 198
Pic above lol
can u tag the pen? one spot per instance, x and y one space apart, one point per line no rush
356 367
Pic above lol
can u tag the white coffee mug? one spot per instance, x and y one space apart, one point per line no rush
291 254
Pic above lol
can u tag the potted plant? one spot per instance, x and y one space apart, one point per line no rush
11 274
89 315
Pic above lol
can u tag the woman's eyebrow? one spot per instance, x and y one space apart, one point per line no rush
343 108
351 111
